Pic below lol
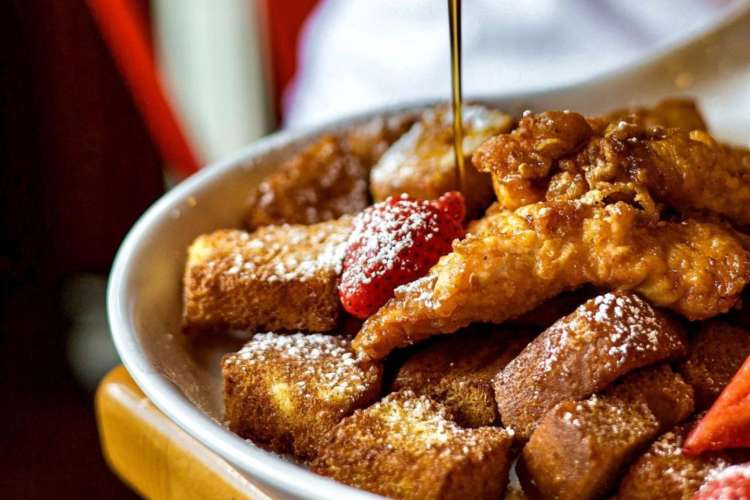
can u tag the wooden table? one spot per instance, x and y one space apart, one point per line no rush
153 455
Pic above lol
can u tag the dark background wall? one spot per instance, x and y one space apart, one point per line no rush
77 167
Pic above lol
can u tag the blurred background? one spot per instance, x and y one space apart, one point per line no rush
105 104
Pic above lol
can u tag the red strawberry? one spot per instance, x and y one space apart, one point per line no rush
732 483
395 242
727 423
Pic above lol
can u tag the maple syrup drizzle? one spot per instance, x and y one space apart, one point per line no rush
454 16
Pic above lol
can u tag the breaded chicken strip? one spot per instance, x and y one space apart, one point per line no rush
562 156
525 257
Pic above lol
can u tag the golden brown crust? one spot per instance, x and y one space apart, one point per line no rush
716 353
629 159
528 256
287 391
322 182
277 278
408 447
580 448
519 158
422 164
583 353
666 394
664 472
369 140
458 371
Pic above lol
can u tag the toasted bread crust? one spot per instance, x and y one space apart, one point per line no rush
422 164
582 353
277 278
664 472
408 447
458 371
716 352
580 448
287 391
322 182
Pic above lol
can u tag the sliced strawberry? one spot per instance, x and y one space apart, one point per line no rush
727 423
732 483
395 242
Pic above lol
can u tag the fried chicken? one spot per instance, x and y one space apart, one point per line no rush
522 258
563 156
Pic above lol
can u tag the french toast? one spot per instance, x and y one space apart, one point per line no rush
580 448
287 391
322 182
458 371
370 139
408 447
277 278
421 162
582 353
715 354
664 472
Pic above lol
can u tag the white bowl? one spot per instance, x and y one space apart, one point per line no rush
144 299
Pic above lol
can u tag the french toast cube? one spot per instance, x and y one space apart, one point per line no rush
715 354
370 139
322 182
408 447
664 472
580 448
582 353
286 392
457 370
277 278
422 164
667 395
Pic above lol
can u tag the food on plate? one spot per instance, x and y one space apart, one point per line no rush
717 351
525 257
394 242
669 113
287 391
580 448
560 156
421 163
277 278
666 473
323 182
727 422
583 353
576 329
408 446
457 371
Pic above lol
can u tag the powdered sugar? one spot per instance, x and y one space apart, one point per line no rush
314 362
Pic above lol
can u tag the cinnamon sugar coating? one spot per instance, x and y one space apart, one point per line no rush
458 371
287 391
583 353
408 447
277 278
664 472
322 182
716 353
422 164
581 448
